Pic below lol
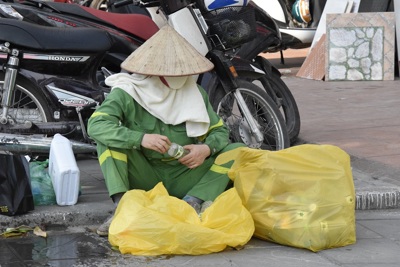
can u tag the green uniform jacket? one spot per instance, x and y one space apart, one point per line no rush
121 122
118 126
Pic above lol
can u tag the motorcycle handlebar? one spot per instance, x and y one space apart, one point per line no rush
125 2
141 3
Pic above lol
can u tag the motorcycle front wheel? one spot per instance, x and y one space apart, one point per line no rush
27 104
263 109
286 103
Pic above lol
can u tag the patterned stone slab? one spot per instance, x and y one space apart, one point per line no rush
360 46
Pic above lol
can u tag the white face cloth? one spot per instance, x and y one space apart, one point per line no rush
178 103
176 82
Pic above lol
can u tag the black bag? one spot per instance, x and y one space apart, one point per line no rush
15 188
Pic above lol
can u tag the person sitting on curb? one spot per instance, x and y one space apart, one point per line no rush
155 104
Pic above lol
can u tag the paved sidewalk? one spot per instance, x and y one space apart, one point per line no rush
362 118
377 245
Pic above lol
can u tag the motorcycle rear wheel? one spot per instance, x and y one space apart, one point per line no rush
27 104
263 109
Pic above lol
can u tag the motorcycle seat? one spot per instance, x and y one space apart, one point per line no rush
139 25
46 38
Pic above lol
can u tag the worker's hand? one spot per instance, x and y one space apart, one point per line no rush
196 156
156 142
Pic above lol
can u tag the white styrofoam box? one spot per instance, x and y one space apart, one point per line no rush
63 170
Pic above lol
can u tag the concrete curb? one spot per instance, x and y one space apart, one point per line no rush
376 199
81 214
84 214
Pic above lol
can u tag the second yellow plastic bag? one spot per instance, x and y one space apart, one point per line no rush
154 223
302 196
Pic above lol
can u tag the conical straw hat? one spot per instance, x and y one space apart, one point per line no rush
166 53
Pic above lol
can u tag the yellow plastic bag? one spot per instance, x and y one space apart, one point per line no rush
154 223
302 196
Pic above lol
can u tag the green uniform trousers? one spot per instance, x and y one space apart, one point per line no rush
129 169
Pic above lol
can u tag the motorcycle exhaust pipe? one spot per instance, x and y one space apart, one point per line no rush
27 144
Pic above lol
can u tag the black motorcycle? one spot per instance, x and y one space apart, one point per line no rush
268 38
51 83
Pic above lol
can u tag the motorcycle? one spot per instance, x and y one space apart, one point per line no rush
57 78
275 17
45 87
268 39
297 24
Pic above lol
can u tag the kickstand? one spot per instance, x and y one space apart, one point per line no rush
282 58
82 124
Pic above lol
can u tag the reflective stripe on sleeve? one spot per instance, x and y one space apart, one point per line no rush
113 154
95 114
218 124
